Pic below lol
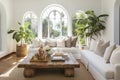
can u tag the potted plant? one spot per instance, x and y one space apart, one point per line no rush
23 36
95 24
88 24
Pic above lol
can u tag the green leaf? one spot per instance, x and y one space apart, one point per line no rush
103 15
10 31
14 35
19 23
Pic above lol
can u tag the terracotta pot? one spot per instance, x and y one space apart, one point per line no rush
21 50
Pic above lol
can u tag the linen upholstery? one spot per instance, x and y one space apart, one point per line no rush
101 47
115 57
108 53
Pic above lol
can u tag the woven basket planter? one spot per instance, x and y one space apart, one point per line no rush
21 50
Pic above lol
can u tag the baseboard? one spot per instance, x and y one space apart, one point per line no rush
7 55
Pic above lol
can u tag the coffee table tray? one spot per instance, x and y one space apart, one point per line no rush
36 59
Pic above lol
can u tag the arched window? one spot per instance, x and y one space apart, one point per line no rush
54 22
33 19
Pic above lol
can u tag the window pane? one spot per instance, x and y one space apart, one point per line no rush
45 28
32 18
55 24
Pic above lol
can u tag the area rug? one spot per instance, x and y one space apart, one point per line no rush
14 73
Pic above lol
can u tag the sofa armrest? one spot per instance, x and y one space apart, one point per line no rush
117 71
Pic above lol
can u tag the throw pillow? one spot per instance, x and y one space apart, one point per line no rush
51 43
101 47
67 42
108 53
61 43
73 41
115 57
93 45
35 43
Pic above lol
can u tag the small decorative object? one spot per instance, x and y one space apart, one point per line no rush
41 53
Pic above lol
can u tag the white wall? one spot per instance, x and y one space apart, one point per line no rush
6 22
108 7
21 6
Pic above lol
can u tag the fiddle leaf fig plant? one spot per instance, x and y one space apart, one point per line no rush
88 24
95 24
24 34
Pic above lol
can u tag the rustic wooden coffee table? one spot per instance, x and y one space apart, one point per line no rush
68 65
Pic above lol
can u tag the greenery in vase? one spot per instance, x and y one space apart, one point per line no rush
23 34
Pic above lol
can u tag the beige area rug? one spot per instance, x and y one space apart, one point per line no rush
15 73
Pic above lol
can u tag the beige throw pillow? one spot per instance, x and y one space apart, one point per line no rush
35 43
61 43
51 43
115 57
73 41
68 42
101 47
108 53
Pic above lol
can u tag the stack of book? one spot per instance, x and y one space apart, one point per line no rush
58 57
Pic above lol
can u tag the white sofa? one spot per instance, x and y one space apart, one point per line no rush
57 45
97 66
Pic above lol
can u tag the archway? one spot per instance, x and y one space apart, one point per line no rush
117 22
52 11
3 30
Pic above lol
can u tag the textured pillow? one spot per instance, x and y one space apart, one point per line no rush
61 43
35 43
108 53
73 41
101 47
93 45
51 43
67 42
115 57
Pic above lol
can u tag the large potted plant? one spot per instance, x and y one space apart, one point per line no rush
88 24
23 37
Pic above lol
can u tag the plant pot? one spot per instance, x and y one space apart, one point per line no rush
21 50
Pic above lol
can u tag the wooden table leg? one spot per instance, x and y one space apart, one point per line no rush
28 72
69 72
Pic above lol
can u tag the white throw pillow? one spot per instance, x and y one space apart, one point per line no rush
93 44
108 52
101 47
51 43
35 43
61 43
115 57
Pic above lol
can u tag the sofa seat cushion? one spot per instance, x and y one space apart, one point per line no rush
66 49
105 69
73 50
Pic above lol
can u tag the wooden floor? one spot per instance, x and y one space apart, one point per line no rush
8 62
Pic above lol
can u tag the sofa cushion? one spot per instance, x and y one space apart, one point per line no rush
73 50
101 47
68 42
93 45
51 43
73 41
35 43
108 52
61 43
106 70
115 57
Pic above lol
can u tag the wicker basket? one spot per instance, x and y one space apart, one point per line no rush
21 50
